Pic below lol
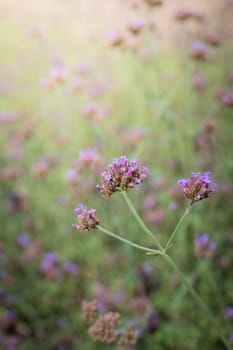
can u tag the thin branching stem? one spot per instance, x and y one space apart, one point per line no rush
148 250
140 221
187 210
162 251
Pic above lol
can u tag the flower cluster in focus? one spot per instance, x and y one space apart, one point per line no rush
121 174
197 186
87 219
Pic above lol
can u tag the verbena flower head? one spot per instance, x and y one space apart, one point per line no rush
197 186
87 219
121 174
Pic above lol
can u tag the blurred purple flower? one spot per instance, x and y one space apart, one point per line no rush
137 25
229 312
23 240
71 176
82 68
227 98
10 314
152 322
203 246
48 261
115 38
199 51
172 206
87 219
70 267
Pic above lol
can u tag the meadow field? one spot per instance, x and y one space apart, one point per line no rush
116 171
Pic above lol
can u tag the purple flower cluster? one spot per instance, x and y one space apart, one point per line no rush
197 186
23 240
203 246
199 51
70 267
229 312
87 219
121 175
48 261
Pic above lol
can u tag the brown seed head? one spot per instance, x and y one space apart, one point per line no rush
103 330
88 310
128 337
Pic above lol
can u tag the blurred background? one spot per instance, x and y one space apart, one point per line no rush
83 82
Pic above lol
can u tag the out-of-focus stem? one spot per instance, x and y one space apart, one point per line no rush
198 299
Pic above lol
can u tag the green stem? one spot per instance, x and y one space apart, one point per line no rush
216 291
194 276
139 220
148 250
198 299
187 210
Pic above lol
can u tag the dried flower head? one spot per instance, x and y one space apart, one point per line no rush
128 337
87 219
88 310
103 330
203 246
121 174
197 186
